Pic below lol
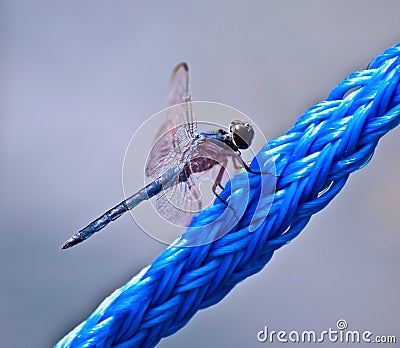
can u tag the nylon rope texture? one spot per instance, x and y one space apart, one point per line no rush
313 160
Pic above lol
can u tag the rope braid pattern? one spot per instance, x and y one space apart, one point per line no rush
313 160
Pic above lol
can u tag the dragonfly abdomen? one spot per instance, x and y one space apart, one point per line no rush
114 213
96 225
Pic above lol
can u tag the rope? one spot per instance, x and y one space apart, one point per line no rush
313 160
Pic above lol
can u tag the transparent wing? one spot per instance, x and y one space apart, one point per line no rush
163 156
179 202
179 93
177 133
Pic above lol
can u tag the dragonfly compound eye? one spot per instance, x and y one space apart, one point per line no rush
242 134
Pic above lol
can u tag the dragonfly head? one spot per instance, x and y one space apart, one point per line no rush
242 134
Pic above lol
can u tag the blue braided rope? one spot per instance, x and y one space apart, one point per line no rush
314 159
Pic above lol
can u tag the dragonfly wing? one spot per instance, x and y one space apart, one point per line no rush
178 131
179 93
179 202
161 153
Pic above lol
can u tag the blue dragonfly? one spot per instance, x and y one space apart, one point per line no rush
179 158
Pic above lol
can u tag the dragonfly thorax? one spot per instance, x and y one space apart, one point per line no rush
196 165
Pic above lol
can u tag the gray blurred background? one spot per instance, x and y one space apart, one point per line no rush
79 77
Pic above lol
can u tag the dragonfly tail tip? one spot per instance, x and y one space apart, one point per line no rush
69 243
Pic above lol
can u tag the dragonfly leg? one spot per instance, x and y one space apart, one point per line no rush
218 179
248 169
217 183
226 204
196 193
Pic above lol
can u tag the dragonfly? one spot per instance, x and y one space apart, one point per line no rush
180 157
